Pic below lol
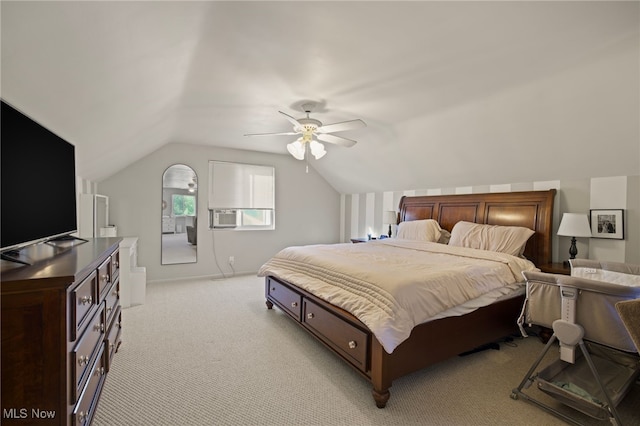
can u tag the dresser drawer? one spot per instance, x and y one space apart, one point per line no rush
114 337
348 340
84 410
104 277
85 350
83 300
112 300
115 265
285 298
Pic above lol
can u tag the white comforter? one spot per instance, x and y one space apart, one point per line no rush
392 285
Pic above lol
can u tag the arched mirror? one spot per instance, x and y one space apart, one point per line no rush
179 215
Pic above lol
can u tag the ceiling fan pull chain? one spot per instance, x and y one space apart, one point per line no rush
306 157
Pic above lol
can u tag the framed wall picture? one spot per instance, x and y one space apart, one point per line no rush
607 224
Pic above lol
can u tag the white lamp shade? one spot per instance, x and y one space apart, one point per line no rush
317 149
296 149
574 225
390 217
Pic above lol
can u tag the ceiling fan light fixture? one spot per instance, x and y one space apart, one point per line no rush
311 129
317 149
296 149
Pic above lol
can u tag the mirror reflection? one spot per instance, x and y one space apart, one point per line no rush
179 215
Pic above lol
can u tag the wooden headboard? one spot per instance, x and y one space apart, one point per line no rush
531 209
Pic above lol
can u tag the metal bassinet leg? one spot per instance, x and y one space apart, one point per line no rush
530 377
614 417
528 380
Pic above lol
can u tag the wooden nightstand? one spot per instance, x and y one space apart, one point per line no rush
556 268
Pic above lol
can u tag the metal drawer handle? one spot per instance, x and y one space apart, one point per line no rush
109 309
99 327
273 289
352 344
83 360
115 293
86 300
294 305
99 371
82 416
116 264
310 315
105 278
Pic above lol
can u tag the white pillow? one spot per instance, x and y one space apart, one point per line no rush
421 230
503 239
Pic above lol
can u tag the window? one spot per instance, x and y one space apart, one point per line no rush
253 218
183 205
241 196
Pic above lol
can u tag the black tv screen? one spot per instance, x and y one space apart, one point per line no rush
38 182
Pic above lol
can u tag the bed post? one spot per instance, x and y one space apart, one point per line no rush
379 374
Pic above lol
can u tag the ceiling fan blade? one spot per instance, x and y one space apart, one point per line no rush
344 125
296 124
337 140
273 134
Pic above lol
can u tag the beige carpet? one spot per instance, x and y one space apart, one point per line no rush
208 352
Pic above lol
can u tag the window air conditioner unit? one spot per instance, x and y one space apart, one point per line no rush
224 219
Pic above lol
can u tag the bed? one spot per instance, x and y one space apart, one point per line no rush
375 358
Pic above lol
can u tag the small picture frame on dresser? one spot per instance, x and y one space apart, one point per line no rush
607 224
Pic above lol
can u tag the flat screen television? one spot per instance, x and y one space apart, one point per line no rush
38 182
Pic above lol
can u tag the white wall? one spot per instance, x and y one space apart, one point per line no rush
365 211
609 193
307 211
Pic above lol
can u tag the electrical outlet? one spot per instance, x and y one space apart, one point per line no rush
232 260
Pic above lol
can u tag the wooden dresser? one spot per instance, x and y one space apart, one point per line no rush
61 326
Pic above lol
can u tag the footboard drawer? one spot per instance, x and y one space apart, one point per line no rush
284 297
345 338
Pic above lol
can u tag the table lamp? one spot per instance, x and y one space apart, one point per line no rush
574 225
391 218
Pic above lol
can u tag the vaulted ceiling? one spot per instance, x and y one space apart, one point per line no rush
121 79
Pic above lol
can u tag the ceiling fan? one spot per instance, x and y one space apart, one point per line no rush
191 186
309 127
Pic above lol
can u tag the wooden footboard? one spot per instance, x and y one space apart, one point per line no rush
442 339
429 343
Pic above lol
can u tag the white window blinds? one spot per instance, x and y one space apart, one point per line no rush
241 186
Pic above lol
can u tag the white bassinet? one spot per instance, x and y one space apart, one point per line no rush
598 360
